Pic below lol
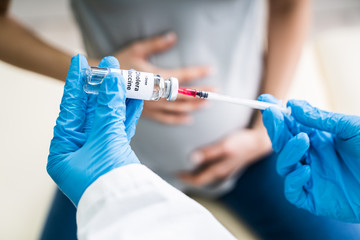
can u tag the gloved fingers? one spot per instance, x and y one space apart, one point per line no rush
292 125
109 62
133 111
106 62
90 112
74 101
68 132
344 126
278 132
269 98
294 185
110 110
294 150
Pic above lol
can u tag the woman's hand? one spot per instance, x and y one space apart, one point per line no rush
136 56
228 156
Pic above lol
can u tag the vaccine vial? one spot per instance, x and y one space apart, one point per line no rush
139 85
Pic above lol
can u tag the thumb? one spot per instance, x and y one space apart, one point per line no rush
109 62
274 122
110 110
269 98
207 154
277 130
344 126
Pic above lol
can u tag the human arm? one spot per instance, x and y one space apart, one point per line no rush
21 47
319 157
92 162
287 28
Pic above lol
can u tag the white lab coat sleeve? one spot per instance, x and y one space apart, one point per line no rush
132 202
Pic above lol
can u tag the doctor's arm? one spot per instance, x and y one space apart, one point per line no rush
92 162
132 202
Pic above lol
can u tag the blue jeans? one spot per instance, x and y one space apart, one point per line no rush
257 199
61 220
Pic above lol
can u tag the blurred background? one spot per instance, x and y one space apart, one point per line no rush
328 76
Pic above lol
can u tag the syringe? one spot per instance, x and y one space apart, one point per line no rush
245 102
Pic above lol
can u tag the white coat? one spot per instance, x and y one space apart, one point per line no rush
132 202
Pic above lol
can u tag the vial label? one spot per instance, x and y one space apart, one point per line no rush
139 85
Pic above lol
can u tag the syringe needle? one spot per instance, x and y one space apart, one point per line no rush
245 102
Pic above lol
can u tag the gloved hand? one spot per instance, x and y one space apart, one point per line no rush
92 133
319 156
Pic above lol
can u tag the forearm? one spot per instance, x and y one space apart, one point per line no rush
287 29
20 47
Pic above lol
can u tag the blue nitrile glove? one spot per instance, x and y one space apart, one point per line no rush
92 133
319 156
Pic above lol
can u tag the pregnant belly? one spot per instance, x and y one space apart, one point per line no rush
166 149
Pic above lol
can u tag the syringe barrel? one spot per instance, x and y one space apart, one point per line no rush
139 85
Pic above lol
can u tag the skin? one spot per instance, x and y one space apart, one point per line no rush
288 21
20 47
136 56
